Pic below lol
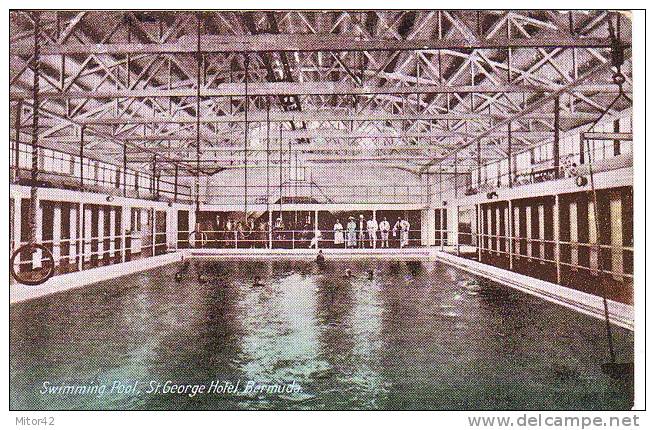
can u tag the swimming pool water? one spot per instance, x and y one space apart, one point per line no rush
419 335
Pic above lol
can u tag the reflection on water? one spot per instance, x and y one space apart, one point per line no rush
415 336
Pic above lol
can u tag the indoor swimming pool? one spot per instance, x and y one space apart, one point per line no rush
408 335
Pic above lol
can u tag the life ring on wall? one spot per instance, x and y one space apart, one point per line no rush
198 236
32 247
581 181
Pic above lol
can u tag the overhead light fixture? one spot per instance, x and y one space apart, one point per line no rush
109 198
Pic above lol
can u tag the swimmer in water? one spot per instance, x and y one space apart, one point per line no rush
178 276
369 273
320 258
348 274
202 278
257 282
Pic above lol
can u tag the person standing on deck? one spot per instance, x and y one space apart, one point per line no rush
396 231
372 228
338 233
404 233
229 226
278 229
361 231
384 233
315 242
351 233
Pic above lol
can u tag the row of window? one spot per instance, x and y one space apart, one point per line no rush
569 152
93 172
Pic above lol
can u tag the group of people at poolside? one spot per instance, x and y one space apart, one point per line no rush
362 233
358 232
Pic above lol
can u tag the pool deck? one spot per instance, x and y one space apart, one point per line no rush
620 314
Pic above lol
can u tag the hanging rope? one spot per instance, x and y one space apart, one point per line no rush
197 234
613 368
245 139
32 246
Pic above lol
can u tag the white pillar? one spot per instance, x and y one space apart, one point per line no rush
153 230
573 220
556 239
498 232
616 235
38 254
593 238
511 233
317 228
478 229
427 227
456 229
193 227
541 211
125 229
87 233
18 216
528 230
270 227
171 227
56 233
506 234
112 231
101 232
72 253
490 239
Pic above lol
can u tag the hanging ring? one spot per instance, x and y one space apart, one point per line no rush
198 236
31 248
618 78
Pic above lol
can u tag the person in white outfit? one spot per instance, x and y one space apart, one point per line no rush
316 239
384 233
338 233
404 233
372 228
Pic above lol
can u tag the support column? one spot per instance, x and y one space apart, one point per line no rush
270 229
510 179
193 226
153 232
73 213
528 230
124 169
573 221
616 235
541 211
497 231
478 229
56 232
87 233
506 218
18 216
112 232
101 233
427 227
125 230
456 229
80 236
37 257
593 238
556 139
510 223
556 239
491 240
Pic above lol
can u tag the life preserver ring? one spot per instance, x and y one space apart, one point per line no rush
199 236
581 181
32 247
